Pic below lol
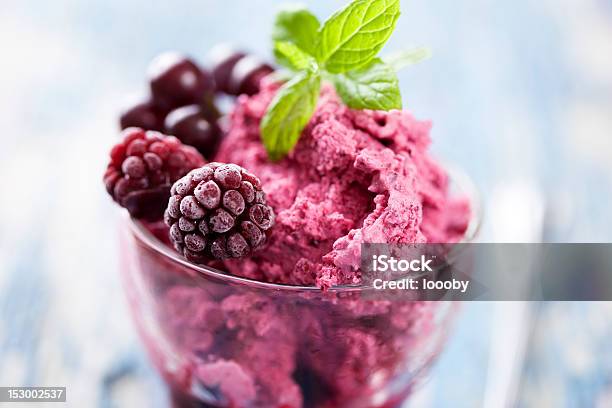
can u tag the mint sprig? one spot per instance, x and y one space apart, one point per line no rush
289 112
296 24
342 50
373 87
354 35
292 56
402 59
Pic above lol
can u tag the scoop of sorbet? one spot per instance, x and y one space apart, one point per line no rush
354 177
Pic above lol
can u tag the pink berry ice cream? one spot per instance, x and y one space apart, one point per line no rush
249 293
354 177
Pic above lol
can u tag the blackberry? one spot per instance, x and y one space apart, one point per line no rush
218 211
142 169
191 126
176 81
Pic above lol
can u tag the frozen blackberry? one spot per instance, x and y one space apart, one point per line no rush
218 211
143 167
178 81
191 126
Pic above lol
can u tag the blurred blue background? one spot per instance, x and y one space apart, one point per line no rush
517 90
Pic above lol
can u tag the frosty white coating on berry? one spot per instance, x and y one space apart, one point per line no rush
218 211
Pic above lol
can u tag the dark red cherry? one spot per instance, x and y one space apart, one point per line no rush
191 126
176 81
247 74
222 59
143 115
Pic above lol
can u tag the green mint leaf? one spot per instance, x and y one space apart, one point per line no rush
291 56
289 112
403 59
296 24
353 36
373 87
281 76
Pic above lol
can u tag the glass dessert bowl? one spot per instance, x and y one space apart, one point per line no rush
220 340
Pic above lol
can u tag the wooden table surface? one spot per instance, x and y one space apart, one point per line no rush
519 89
